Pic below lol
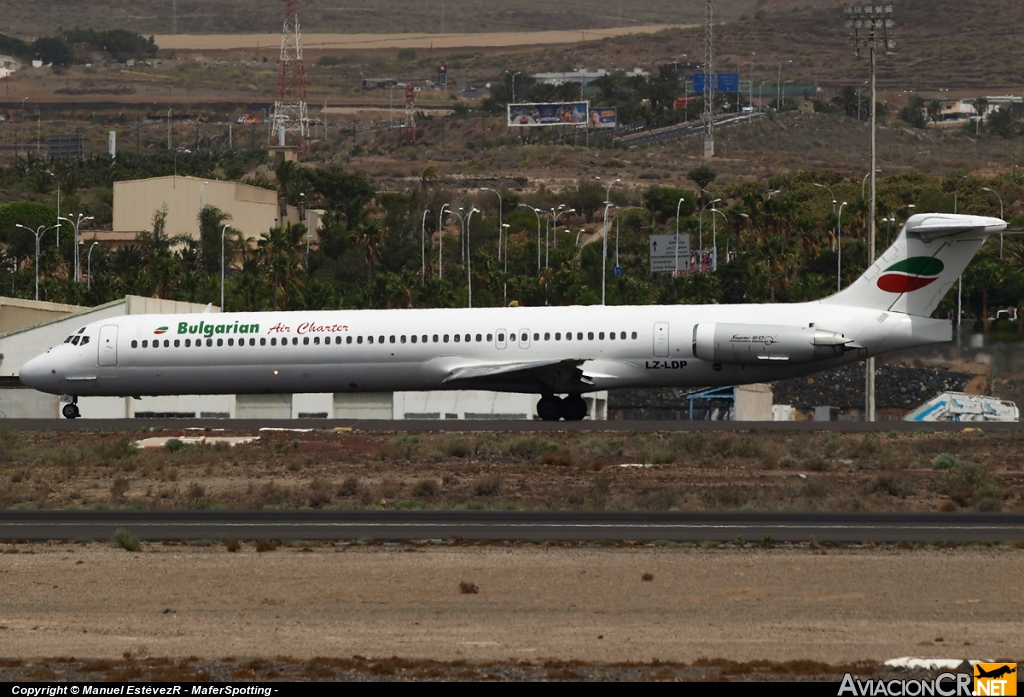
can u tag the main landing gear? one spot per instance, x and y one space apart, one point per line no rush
70 410
552 408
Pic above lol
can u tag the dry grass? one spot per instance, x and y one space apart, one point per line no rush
686 471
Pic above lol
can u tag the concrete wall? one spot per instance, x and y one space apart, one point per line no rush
253 210
754 403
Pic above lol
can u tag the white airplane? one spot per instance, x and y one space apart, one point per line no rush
548 351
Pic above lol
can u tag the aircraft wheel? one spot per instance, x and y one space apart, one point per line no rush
71 411
549 408
574 407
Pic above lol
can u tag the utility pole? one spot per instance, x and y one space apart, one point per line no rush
709 76
871 26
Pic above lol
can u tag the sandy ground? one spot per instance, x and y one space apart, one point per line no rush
585 603
362 42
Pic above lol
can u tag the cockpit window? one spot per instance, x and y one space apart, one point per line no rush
85 340
68 340
80 330
75 340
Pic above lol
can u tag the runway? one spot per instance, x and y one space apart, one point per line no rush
486 426
513 526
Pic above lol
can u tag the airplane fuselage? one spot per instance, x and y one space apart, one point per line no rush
387 350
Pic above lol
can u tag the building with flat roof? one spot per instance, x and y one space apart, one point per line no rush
253 209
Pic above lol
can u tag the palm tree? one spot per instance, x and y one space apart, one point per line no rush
934 110
980 106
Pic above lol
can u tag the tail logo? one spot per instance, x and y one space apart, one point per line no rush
910 275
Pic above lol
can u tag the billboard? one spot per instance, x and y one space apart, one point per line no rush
603 117
565 113
724 82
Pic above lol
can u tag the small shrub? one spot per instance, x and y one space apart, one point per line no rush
232 545
487 485
788 462
425 489
8 441
265 546
557 458
467 588
390 488
125 540
892 484
967 482
349 487
944 461
457 448
529 447
173 445
647 577
118 488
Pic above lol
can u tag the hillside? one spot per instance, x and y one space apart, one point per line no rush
369 16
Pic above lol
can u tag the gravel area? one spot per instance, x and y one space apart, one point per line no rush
534 603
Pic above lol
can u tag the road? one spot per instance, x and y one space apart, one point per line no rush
488 426
684 129
516 525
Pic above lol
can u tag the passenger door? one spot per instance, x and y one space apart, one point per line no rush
661 339
107 345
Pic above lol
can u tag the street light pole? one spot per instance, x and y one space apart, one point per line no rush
423 249
960 279
77 223
604 236
829 190
839 245
536 211
469 259
555 212
88 266
985 188
714 236
222 233
38 234
676 271
440 241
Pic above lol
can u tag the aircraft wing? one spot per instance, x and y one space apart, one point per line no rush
544 376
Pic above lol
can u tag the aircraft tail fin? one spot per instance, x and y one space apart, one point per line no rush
915 273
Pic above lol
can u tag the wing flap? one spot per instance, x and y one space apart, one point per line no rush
554 376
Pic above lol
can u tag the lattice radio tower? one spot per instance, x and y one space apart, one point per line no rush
709 80
290 101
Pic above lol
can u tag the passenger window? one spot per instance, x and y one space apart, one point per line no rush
490 338
600 336
446 338
501 338
231 342
536 336
568 336
348 340
611 335
380 339
622 335
634 335
337 340
359 339
209 343
392 338
316 340
468 338
590 336
220 342
177 343
402 338
424 338
135 344
458 338
305 341
579 336
479 337
558 336
547 336
413 338
145 344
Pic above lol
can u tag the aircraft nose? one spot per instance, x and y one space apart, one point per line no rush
37 374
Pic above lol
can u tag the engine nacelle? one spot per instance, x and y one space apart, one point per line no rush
764 344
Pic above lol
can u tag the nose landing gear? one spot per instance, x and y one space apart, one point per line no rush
70 410
571 408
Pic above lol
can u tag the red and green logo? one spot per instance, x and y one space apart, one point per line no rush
161 330
910 274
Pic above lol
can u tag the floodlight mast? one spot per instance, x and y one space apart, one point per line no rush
871 25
